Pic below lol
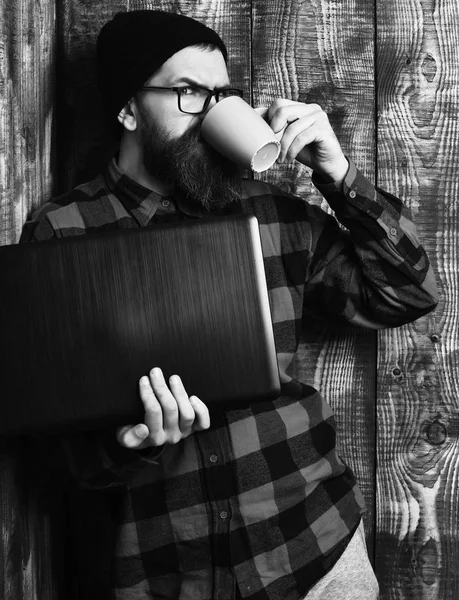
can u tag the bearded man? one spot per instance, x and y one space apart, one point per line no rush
254 503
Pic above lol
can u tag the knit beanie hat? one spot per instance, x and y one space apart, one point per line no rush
134 45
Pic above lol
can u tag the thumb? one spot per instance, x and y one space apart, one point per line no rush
132 436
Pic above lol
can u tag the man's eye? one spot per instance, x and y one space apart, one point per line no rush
189 91
228 92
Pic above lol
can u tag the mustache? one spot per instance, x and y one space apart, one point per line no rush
191 146
193 136
190 164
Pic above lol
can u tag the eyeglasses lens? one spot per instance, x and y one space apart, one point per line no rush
195 102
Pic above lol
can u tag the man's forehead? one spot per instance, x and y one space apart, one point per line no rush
201 66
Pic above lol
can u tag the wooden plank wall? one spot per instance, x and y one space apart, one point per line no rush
418 418
27 73
387 73
305 51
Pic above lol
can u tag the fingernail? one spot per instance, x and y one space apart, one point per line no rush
144 380
156 372
280 128
140 431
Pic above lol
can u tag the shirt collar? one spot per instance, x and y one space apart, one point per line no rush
143 203
140 201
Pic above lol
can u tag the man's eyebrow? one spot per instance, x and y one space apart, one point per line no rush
190 81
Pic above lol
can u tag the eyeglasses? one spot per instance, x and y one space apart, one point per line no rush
193 99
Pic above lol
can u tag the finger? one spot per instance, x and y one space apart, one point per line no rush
285 114
275 111
169 406
301 131
186 411
132 436
153 412
202 417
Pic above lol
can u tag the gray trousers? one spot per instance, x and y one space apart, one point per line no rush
352 577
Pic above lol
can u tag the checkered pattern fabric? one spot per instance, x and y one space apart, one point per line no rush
260 504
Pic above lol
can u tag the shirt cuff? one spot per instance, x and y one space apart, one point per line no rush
321 183
120 455
150 454
355 190
331 188
358 198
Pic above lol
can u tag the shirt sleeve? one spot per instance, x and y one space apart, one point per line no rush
36 231
374 272
97 461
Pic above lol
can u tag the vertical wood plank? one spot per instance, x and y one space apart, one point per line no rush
31 565
322 52
84 146
418 493
27 65
84 141
27 60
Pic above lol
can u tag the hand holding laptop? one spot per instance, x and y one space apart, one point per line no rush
170 414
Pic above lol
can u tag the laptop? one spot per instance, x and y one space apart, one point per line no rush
83 318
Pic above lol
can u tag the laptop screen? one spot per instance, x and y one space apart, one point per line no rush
84 318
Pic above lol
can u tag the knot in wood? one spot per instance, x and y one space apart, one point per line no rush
429 67
428 559
436 433
285 187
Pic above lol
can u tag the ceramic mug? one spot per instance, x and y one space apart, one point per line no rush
240 133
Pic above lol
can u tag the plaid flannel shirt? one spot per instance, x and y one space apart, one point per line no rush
259 505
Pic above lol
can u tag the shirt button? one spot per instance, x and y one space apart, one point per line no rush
352 193
393 231
213 458
223 515
165 203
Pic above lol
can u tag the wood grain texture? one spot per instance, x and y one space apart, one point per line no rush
85 141
417 480
313 52
30 562
27 57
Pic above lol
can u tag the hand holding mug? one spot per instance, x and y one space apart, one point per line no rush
308 137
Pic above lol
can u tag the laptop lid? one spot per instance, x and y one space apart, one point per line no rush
83 318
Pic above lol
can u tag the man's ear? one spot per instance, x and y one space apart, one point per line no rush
127 116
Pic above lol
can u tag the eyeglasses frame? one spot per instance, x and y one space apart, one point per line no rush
177 89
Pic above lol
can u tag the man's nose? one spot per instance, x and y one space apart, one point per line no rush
212 103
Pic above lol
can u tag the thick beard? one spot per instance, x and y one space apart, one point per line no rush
189 163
